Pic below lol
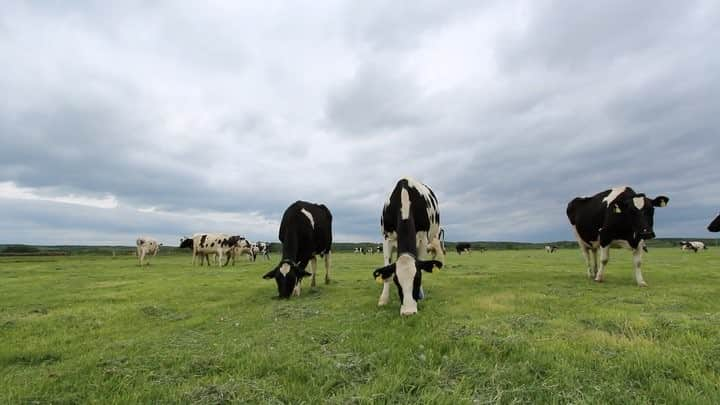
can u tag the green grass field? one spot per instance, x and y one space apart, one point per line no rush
500 327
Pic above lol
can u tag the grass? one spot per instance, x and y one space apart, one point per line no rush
499 327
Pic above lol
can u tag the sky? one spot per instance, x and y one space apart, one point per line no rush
167 118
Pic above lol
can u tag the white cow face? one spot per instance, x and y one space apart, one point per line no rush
287 277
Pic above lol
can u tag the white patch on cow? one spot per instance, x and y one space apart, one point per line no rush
405 271
639 202
284 269
614 193
404 204
309 216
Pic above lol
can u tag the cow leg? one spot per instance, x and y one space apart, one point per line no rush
313 266
327 268
139 255
604 258
586 254
594 254
422 245
637 264
439 254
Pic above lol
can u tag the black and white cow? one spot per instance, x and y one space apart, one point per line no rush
207 244
261 248
463 247
379 249
146 246
242 247
714 225
410 222
305 231
692 245
551 248
620 216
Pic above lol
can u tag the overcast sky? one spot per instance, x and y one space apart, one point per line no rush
167 118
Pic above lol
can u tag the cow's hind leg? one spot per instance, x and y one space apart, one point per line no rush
328 262
588 260
313 266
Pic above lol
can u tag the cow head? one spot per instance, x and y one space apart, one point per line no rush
637 211
186 243
407 265
714 225
287 276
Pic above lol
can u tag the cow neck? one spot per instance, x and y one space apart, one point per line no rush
290 246
406 236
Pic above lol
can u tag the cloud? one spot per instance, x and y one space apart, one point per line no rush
169 119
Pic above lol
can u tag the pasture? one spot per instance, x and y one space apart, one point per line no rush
500 327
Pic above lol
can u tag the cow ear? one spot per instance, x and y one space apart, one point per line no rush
385 272
271 274
427 265
660 201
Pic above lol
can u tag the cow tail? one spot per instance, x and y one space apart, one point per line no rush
442 240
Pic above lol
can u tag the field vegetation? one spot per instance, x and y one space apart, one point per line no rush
505 326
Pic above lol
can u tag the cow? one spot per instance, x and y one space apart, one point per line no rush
714 225
551 248
146 246
463 247
410 222
359 250
378 249
369 250
305 231
261 248
206 244
617 216
242 247
692 245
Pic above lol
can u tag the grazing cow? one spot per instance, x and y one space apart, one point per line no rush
242 247
145 247
305 231
379 249
551 248
410 222
463 247
206 244
261 248
619 216
714 225
692 245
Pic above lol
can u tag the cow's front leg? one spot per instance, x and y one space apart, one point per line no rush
327 268
313 266
296 290
385 294
604 258
637 264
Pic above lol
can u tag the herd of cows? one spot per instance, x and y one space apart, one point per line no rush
410 225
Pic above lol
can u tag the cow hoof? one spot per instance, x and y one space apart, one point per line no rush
406 310
643 284
383 302
598 280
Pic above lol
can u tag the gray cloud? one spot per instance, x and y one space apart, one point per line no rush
219 117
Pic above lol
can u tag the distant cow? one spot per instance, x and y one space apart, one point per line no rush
207 244
379 249
463 247
261 248
715 225
146 246
359 250
410 222
550 248
305 231
620 216
692 245
242 247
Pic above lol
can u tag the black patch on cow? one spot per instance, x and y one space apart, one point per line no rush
714 225
202 241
